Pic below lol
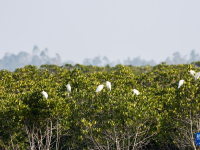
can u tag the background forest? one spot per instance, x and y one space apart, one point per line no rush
38 57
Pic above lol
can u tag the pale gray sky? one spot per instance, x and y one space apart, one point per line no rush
118 29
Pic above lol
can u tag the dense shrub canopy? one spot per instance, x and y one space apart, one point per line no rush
160 117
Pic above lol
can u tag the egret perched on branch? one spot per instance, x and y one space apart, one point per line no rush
44 94
99 88
192 72
68 88
197 75
108 85
180 83
135 92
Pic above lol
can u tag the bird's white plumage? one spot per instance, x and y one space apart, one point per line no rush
99 88
68 88
192 72
135 92
180 83
108 85
197 75
45 94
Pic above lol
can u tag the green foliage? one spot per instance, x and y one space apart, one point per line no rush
84 119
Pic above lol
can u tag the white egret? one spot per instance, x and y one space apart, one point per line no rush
135 92
180 83
44 94
99 88
192 72
197 75
68 88
108 85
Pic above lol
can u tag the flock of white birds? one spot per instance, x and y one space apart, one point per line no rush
99 88
193 73
135 92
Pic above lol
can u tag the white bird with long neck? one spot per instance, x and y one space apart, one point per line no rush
108 85
99 88
68 88
180 83
192 72
44 94
135 92
197 75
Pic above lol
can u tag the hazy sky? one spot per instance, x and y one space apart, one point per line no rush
118 29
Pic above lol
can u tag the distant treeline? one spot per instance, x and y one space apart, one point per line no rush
38 57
